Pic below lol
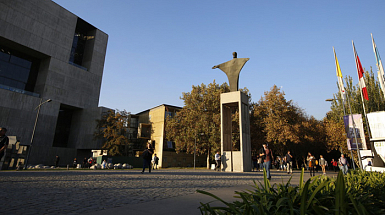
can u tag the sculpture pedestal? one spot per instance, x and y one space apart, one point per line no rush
240 160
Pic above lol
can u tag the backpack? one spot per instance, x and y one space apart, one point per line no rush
146 155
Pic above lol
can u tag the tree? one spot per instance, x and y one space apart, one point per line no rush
277 119
335 135
334 118
376 99
199 121
113 129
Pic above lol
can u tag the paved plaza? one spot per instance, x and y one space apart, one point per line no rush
120 191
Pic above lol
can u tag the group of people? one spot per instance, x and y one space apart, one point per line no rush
264 159
87 163
341 164
312 163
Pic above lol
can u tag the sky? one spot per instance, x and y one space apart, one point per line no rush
159 49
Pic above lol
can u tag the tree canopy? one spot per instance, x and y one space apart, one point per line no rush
336 137
112 129
198 122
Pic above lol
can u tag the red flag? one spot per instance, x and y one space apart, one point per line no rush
360 71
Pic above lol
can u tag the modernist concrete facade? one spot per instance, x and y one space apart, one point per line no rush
151 125
46 52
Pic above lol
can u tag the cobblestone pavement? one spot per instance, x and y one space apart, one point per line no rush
78 191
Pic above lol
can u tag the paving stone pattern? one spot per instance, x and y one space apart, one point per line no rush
77 191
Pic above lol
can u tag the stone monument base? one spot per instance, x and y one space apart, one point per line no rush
235 160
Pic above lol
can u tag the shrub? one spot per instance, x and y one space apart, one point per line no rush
358 192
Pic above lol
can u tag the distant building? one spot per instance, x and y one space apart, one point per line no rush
151 127
47 52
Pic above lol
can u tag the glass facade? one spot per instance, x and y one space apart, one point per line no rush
78 49
17 70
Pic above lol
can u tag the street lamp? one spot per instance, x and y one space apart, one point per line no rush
34 128
354 131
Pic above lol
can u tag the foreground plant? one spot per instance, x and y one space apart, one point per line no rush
318 195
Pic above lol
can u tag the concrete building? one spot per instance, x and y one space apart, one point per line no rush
46 52
151 126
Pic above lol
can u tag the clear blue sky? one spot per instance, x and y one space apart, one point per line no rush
159 49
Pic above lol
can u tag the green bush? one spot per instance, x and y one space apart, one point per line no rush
358 192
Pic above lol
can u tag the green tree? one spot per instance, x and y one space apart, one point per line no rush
113 130
276 120
199 121
376 99
334 118
335 135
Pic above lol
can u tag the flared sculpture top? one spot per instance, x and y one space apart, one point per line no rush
232 69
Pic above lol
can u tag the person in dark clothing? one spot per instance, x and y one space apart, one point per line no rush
4 141
289 163
57 159
268 158
75 163
85 163
311 163
147 156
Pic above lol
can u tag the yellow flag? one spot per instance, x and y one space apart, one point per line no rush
339 77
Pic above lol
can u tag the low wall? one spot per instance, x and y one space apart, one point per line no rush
136 162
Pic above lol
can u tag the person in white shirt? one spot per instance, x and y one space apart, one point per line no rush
218 161
322 163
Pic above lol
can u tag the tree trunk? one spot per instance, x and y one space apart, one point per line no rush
208 159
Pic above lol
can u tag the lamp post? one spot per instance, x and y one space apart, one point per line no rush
354 131
34 128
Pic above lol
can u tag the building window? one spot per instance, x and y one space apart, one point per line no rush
81 49
17 70
144 131
134 122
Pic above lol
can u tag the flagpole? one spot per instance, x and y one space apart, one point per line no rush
343 94
380 68
359 83
362 97
340 81
355 136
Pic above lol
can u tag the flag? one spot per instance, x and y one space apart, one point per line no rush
380 68
360 71
339 77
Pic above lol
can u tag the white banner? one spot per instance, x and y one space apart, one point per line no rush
352 129
377 128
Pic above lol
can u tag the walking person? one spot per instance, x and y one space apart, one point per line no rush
334 164
311 163
343 163
4 141
322 163
75 163
254 158
289 163
267 157
155 161
218 161
260 163
147 155
85 162
57 159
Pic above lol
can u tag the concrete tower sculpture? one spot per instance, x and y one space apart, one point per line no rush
235 160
